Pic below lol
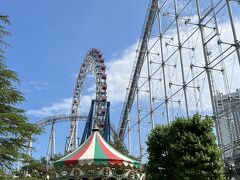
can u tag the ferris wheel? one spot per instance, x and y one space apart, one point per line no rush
93 62
98 113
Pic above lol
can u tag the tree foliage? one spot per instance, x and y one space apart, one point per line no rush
37 169
184 150
119 146
15 130
34 169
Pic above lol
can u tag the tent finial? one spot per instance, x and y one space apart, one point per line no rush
95 128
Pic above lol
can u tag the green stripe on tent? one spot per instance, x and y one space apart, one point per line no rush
99 155
138 166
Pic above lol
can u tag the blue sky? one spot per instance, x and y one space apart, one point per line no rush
50 39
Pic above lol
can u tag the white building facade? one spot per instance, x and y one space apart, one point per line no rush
228 115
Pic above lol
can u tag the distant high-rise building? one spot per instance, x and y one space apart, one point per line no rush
228 114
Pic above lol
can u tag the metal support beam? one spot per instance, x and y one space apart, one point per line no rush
88 125
181 59
51 144
129 135
139 127
208 72
236 41
106 129
163 66
153 6
53 151
150 92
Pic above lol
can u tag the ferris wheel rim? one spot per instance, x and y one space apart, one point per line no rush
93 62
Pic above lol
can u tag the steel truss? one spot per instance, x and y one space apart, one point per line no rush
89 124
184 58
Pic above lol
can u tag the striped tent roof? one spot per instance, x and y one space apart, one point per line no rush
96 150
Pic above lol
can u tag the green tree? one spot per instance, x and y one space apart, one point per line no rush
119 146
56 157
15 130
184 150
34 168
37 169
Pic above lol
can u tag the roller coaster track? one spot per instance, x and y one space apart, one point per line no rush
66 118
133 83
57 119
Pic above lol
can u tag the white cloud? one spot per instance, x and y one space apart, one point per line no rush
54 109
62 107
36 86
92 89
119 71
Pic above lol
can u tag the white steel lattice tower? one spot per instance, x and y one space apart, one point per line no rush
189 51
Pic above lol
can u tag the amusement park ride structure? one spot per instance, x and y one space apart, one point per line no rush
187 54
93 62
99 110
